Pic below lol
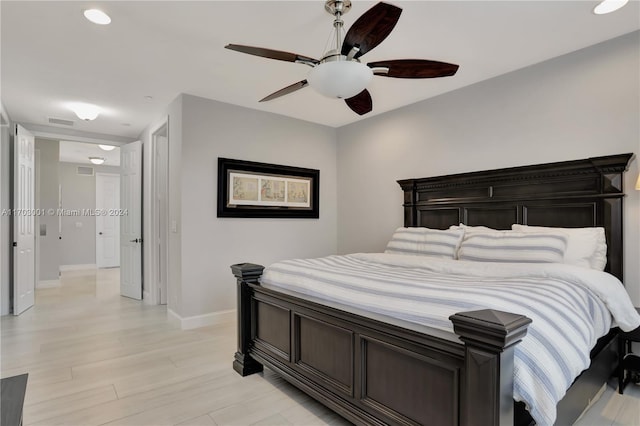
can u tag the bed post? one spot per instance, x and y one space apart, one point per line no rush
490 337
246 273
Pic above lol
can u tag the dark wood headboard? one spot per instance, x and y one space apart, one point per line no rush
568 194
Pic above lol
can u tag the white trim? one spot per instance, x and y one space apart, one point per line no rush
197 321
174 318
74 135
48 284
80 267
155 259
36 224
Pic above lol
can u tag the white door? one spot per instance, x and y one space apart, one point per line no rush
24 266
131 220
107 220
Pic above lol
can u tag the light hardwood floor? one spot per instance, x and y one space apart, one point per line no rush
96 358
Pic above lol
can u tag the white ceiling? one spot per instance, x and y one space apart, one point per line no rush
51 55
79 152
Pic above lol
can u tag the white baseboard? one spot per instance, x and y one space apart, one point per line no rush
48 284
64 268
174 318
197 321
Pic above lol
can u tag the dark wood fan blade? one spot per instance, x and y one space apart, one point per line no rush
414 68
371 28
289 89
270 53
361 103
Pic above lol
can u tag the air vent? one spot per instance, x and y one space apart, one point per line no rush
60 121
85 171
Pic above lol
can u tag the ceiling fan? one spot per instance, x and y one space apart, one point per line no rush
340 74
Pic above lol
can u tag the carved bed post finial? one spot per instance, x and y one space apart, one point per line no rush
490 337
246 273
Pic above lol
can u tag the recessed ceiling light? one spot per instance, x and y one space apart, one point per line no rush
608 6
107 147
97 16
96 160
84 111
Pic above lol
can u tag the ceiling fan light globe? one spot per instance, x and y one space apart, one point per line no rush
340 79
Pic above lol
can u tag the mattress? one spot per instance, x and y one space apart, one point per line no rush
571 307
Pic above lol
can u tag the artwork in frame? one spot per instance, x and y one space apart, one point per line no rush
251 189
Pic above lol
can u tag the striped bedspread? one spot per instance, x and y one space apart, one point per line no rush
571 307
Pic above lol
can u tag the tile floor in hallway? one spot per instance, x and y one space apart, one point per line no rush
95 358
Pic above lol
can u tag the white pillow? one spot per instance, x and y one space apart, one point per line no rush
513 246
586 247
473 229
425 242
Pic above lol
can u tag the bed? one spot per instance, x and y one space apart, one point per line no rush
375 369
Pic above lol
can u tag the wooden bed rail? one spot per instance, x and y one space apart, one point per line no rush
423 379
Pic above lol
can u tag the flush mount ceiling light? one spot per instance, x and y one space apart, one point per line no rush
340 74
96 160
84 111
608 6
107 147
97 16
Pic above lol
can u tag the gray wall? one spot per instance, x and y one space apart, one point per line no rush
49 253
5 220
579 105
78 244
202 130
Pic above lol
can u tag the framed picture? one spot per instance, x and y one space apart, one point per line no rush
250 189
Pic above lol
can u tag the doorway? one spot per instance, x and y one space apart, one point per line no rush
69 219
85 188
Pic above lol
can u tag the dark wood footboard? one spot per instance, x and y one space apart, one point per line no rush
376 373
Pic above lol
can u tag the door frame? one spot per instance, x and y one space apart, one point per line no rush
158 229
6 202
36 253
6 233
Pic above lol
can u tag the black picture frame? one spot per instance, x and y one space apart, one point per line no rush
248 189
